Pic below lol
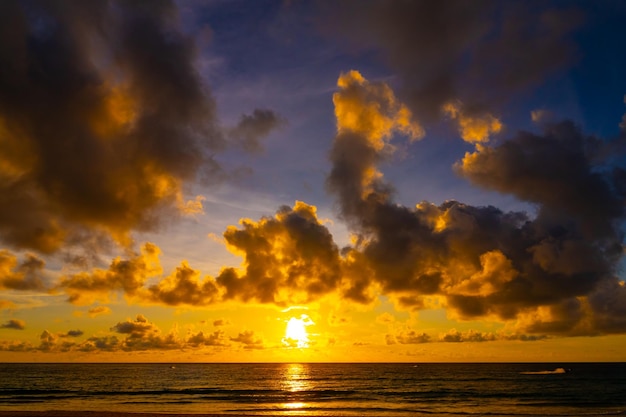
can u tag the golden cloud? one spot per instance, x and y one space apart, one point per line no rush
128 276
472 128
372 110
289 259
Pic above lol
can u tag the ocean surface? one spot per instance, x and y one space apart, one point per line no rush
436 390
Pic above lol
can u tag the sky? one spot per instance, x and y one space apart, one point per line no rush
251 181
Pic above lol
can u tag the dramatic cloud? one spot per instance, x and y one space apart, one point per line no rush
371 109
367 116
544 271
478 51
289 259
103 120
552 274
107 129
526 167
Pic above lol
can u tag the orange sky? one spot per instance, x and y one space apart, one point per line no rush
168 194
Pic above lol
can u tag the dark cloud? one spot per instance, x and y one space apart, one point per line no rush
252 128
14 324
144 335
100 344
50 342
103 119
554 272
128 276
27 275
608 303
571 184
479 51
290 258
249 340
547 271
139 326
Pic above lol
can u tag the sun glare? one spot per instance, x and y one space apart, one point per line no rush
296 334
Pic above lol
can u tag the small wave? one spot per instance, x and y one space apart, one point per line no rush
555 371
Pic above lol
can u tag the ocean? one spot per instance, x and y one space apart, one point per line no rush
320 389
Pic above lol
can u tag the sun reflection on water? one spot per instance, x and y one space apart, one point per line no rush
294 406
296 380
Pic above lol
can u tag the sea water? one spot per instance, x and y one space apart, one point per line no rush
316 389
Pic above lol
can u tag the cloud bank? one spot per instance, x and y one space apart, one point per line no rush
554 273
543 271
105 122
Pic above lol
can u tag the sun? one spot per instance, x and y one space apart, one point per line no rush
295 333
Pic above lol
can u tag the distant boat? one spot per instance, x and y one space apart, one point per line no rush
556 371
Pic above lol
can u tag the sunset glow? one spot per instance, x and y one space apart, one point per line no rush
312 181
296 334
